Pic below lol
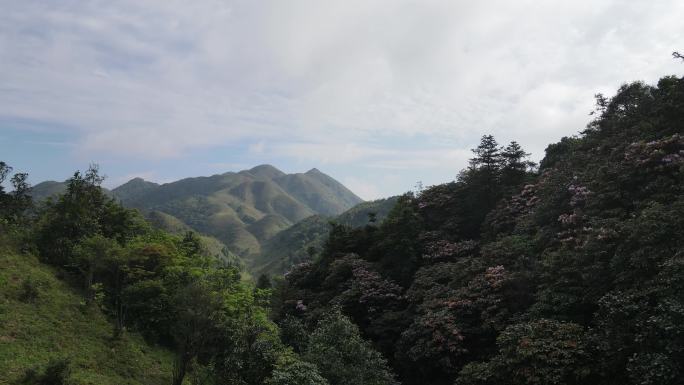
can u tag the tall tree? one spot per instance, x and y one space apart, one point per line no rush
343 357
515 164
14 204
83 211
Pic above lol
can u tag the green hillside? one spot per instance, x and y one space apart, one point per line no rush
568 273
323 194
50 188
241 209
43 318
358 215
134 188
304 240
47 189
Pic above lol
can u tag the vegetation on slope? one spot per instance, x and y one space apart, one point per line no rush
304 240
121 281
242 210
571 273
43 320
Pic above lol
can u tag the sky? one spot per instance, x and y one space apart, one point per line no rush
378 94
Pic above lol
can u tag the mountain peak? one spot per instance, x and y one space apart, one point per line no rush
137 181
134 188
265 171
314 171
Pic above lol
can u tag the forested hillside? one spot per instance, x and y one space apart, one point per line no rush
569 273
92 293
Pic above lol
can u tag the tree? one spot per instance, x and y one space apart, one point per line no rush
90 256
83 211
514 165
542 352
5 170
480 185
198 316
264 282
343 357
74 215
487 155
14 204
292 371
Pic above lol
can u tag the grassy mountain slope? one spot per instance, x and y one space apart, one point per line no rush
167 222
322 193
358 215
302 241
47 189
55 325
134 188
242 209
173 225
294 245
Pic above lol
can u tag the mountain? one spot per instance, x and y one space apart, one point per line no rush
241 209
47 189
323 194
134 188
51 188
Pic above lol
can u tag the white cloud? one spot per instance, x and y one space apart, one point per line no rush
325 82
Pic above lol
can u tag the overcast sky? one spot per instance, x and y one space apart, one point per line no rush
378 94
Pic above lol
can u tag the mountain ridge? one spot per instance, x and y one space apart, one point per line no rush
242 209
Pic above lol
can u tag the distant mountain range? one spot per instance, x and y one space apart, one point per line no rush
244 210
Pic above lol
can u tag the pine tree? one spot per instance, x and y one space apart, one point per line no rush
487 155
514 164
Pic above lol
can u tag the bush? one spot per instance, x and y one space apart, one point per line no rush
57 372
29 291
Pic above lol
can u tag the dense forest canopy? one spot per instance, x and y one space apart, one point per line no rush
566 272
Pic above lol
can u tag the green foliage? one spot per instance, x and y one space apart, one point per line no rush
173 289
295 372
83 211
342 356
29 291
293 333
303 241
540 352
570 274
57 372
56 326
564 275
13 204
